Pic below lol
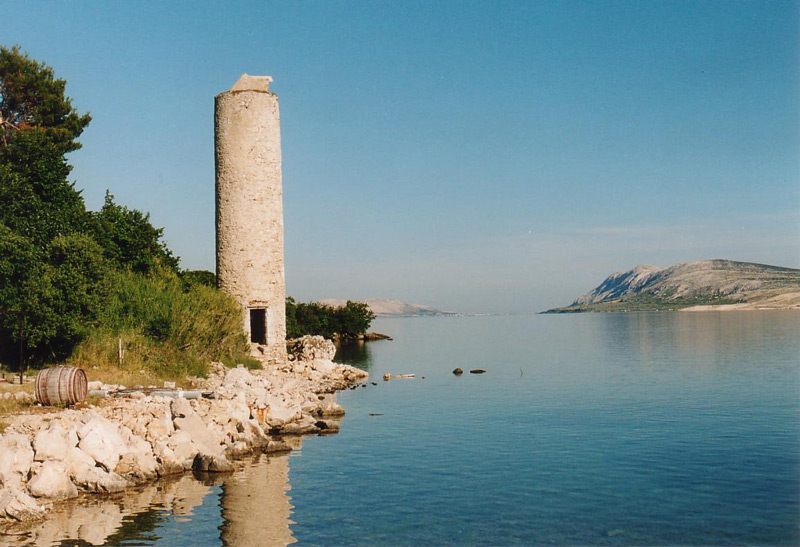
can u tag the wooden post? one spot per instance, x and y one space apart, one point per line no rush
21 359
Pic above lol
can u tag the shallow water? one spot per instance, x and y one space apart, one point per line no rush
607 429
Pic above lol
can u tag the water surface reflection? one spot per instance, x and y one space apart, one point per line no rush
248 507
356 353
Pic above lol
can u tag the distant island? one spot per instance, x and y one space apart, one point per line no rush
384 307
703 285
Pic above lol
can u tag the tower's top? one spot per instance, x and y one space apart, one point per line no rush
252 83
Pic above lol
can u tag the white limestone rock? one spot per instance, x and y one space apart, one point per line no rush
16 457
184 448
137 467
95 479
76 460
18 505
192 425
308 348
52 481
101 440
51 445
209 463
168 462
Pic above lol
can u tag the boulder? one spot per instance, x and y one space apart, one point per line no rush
51 444
16 457
325 367
76 460
100 439
169 462
18 505
137 467
52 481
200 435
181 408
281 413
160 427
327 427
183 449
305 426
208 463
95 479
308 348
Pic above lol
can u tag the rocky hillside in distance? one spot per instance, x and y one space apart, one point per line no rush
384 307
694 286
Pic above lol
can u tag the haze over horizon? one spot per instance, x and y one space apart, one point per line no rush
469 156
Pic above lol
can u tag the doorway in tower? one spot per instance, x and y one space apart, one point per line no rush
258 325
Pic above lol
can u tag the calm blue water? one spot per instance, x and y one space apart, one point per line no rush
603 429
657 428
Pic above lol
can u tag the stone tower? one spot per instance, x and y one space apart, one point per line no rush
249 203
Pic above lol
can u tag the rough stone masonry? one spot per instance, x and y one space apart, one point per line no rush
249 205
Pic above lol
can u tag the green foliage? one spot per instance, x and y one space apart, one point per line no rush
128 238
192 278
32 99
165 328
318 319
61 289
36 199
353 319
86 280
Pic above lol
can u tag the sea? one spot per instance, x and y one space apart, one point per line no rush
658 428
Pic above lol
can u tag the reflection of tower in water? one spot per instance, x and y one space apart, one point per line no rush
255 505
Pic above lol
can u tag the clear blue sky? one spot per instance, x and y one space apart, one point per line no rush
475 156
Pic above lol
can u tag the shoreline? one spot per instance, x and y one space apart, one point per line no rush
139 439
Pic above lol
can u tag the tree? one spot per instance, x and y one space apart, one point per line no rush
353 319
36 199
33 99
38 126
128 238
61 290
318 319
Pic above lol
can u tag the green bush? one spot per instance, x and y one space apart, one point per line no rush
165 328
319 319
205 278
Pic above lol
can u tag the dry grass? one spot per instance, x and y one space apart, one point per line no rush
12 405
129 378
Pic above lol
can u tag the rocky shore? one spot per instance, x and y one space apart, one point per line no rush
121 442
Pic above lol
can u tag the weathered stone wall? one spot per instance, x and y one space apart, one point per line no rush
249 204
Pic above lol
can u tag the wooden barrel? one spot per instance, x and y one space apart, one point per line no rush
61 386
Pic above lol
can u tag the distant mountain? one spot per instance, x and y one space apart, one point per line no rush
383 307
694 286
